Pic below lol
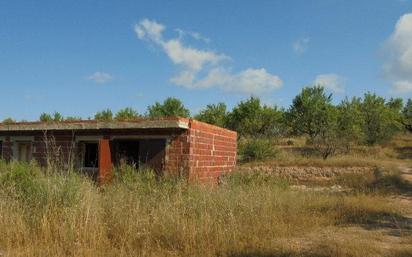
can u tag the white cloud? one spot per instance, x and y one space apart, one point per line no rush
150 30
100 77
398 54
249 81
402 86
300 46
204 68
182 33
255 81
333 82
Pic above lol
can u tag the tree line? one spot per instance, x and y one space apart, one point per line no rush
368 120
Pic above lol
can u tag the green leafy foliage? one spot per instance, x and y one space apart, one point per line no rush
171 107
250 118
311 112
348 127
127 113
256 149
56 116
214 114
407 115
380 119
104 115
45 117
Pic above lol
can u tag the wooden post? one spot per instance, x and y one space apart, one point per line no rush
105 162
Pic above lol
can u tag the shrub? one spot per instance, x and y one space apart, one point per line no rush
256 149
127 113
104 115
31 187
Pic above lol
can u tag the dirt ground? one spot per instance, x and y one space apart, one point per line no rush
392 237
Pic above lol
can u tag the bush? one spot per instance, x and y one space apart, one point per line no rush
28 184
256 150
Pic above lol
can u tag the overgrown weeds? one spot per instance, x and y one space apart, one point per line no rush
141 214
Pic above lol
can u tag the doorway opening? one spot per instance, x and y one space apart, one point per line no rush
24 151
91 155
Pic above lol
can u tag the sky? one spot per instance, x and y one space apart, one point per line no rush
79 57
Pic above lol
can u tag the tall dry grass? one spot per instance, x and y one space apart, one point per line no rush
143 215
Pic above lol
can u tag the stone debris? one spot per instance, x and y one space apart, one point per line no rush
302 173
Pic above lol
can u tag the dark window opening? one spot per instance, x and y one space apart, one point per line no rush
1 149
140 153
91 151
152 154
126 152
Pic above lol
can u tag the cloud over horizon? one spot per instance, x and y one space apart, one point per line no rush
398 56
331 81
204 68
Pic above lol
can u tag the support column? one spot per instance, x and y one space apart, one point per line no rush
105 162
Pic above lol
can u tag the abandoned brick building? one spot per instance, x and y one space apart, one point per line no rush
175 145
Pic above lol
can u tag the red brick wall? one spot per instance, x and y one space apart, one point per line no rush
202 153
177 153
212 151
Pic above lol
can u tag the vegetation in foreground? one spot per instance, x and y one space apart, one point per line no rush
64 214
143 215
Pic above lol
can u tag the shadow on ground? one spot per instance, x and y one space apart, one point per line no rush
395 224
318 252
404 152
393 184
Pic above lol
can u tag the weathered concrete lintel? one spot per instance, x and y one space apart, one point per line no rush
96 125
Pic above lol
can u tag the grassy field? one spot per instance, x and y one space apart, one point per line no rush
249 214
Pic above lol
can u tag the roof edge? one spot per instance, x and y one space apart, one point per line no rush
172 122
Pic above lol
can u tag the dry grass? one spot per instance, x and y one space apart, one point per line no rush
140 215
299 154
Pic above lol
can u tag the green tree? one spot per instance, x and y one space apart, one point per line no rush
407 115
348 127
380 120
214 114
171 107
9 121
104 115
56 116
327 141
396 104
250 118
127 113
311 112
45 117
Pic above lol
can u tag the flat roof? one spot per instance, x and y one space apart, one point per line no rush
163 123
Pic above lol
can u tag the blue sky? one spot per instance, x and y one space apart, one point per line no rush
78 57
